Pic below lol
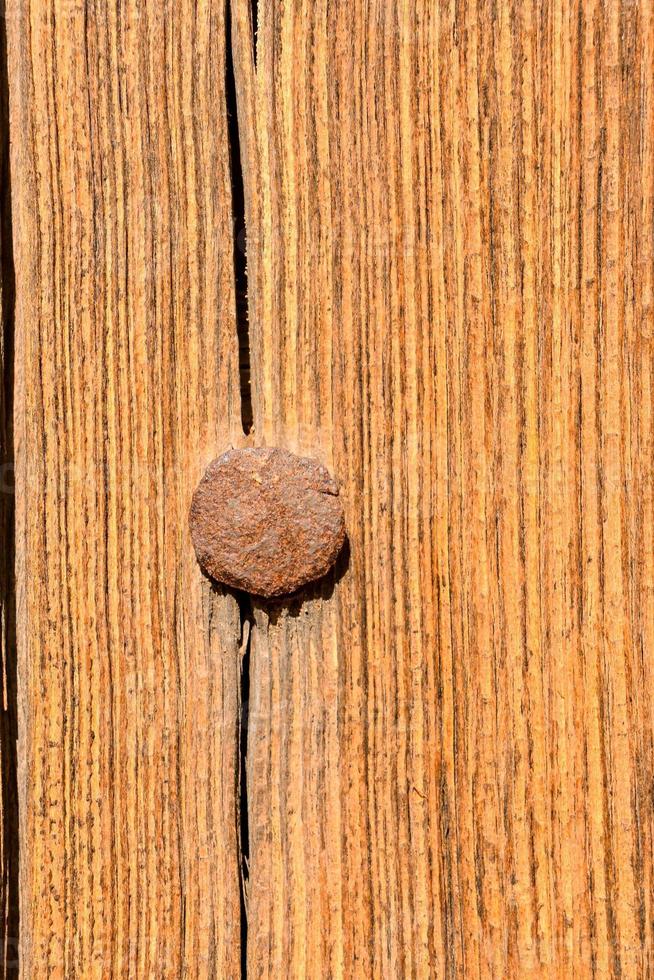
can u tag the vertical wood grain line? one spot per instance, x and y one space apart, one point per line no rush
9 846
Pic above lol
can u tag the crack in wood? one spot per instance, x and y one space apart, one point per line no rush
243 839
247 421
254 7
239 229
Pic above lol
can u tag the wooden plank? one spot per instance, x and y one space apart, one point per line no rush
450 747
126 386
9 843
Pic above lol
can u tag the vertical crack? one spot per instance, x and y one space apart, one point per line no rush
239 229
254 8
247 419
247 625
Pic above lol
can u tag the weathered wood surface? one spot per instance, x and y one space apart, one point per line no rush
450 743
8 721
450 218
126 380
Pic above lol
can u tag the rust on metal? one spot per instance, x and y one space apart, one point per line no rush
266 521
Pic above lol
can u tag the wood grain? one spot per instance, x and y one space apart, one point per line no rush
126 385
450 215
450 242
9 842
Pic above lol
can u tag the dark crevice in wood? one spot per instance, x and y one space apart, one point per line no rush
247 626
239 230
9 915
254 6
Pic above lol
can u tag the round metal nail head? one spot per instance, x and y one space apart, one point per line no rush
266 521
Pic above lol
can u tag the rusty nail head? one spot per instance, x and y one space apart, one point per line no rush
266 521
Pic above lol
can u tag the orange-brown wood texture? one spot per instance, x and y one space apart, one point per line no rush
8 721
451 227
446 766
126 380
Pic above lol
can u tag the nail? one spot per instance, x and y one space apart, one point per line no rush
266 521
